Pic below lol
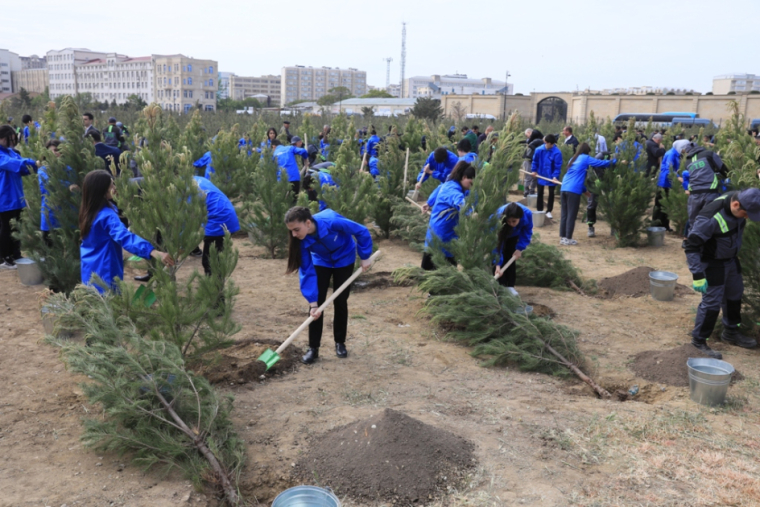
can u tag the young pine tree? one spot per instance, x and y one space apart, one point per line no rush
230 163
355 194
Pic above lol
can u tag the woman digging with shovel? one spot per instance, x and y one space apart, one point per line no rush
514 237
322 247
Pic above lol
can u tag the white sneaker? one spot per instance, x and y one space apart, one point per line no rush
512 291
570 242
562 241
7 265
548 215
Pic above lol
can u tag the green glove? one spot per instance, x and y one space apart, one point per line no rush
700 285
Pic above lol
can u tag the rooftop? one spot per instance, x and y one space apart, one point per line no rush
379 102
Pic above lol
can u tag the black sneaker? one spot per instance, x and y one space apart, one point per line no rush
705 349
144 278
310 356
197 252
340 350
738 339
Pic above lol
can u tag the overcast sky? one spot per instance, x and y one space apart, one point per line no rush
546 45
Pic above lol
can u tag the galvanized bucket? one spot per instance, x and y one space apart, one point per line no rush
656 236
306 496
662 285
531 200
29 272
538 218
709 380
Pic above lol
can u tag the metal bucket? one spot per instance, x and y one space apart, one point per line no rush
29 272
538 218
662 285
656 236
531 200
306 496
709 380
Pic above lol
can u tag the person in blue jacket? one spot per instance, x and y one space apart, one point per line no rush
204 164
103 235
322 247
286 159
48 220
28 122
514 237
12 167
547 162
621 144
464 148
373 168
573 185
321 173
107 153
372 143
220 217
671 161
445 204
324 144
271 136
439 165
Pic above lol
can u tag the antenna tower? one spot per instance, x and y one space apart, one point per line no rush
403 58
388 72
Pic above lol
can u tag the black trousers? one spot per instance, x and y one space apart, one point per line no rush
427 262
9 248
217 241
593 202
295 186
540 200
658 214
569 205
340 319
510 275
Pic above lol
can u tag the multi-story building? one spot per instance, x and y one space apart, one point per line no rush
312 83
224 91
31 80
33 62
647 90
394 89
62 66
116 78
737 83
181 83
453 84
244 87
9 63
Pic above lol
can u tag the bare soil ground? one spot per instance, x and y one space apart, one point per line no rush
539 440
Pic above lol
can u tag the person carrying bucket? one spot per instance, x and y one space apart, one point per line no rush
322 247
711 250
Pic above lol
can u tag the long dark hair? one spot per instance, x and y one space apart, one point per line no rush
272 129
295 214
9 134
462 170
513 210
94 189
583 149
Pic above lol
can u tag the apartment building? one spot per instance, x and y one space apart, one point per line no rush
453 84
62 66
9 63
115 78
312 83
244 87
181 82
33 62
737 83
31 80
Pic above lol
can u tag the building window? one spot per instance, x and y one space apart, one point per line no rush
189 68
211 70
190 81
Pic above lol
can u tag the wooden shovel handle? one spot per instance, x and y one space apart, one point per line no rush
541 177
504 267
329 300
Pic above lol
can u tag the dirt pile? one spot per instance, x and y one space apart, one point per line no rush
669 366
387 457
633 283
239 363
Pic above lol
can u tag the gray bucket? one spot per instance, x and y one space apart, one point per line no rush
662 285
656 236
538 218
306 496
709 380
531 200
29 272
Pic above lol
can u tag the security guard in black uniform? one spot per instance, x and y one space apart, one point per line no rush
711 250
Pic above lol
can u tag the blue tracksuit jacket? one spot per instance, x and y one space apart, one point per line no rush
524 230
372 143
220 211
547 163
286 159
447 199
671 161
12 167
440 171
575 177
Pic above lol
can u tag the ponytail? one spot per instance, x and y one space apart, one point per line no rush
295 214
583 149
462 170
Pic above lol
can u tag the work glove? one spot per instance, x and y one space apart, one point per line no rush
700 285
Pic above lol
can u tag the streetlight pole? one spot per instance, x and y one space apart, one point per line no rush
506 89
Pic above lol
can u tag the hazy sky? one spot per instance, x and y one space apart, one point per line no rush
546 45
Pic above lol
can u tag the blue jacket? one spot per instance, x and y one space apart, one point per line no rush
373 170
372 143
205 162
575 177
324 148
332 246
685 176
470 158
620 147
444 213
325 178
547 163
286 159
524 230
100 250
12 167
440 171
47 217
104 151
670 161
220 211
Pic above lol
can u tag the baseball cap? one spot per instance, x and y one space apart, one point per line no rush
294 139
111 120
286 122
750 201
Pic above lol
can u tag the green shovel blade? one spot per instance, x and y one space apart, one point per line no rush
135 258
149 296
269 357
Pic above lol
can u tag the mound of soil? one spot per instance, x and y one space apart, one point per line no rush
239 363
669 366
540 310
379 280
633 283
387 457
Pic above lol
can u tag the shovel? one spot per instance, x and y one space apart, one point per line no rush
270 357
542 178
504 267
